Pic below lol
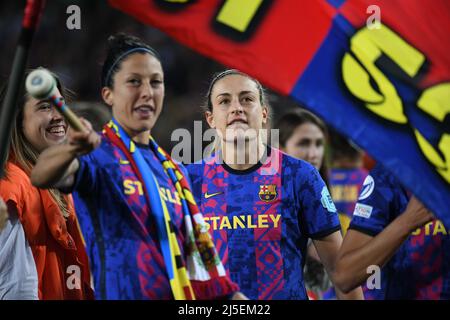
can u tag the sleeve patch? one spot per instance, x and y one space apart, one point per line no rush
327 201
362 210
367 188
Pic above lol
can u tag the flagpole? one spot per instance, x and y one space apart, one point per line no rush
30 21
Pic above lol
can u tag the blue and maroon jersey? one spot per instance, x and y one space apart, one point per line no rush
261 219
420 269
118 226
345 185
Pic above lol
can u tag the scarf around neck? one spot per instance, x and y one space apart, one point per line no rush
204 270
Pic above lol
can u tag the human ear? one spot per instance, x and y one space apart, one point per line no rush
107 96
210 119
265 114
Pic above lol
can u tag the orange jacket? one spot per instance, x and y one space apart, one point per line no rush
57 244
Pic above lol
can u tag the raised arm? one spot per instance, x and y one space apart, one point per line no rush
359 250
57 165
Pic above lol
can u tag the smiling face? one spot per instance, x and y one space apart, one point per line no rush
307 142
137 94
236 107
42 125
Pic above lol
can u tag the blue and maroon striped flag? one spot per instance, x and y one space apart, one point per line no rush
377 71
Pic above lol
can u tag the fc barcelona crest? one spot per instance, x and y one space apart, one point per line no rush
268 193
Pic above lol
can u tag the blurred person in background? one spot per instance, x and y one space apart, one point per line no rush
303 135
346 176
96 113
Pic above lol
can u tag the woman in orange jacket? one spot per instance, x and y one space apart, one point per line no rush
46 216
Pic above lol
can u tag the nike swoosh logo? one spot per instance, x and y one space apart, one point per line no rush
207 196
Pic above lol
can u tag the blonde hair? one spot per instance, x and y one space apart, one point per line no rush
21 151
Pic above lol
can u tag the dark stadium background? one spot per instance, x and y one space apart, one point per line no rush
76 55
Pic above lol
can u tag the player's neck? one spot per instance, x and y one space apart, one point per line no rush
140 137
242 157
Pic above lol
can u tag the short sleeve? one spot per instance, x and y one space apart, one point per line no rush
377 197
318 212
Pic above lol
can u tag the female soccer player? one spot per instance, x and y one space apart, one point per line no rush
261 212
397 242
145 235
43 220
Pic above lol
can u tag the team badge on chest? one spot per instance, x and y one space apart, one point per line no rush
268 193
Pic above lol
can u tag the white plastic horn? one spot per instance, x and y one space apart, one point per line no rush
40 84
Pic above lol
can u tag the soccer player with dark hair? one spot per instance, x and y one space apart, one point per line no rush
145 235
